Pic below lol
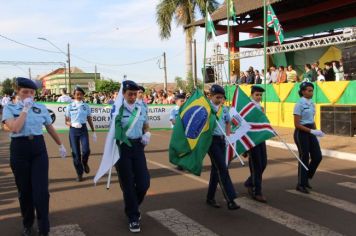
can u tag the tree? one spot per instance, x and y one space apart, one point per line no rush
106 86
180 83
188 84
184 12
7 86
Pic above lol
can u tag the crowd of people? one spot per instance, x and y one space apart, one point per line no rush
332 71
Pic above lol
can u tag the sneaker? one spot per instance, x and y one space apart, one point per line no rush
134 227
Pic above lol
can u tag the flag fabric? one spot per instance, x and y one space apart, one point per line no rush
232 12
111 151
272 21
260 129
239 126
210 29
192 133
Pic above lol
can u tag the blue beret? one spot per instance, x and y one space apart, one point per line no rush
25 83
255 88
217 89
180 96
130 85
141 88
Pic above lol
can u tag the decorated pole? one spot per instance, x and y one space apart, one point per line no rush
265 51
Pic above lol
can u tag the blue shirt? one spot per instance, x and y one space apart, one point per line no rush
224 118
141 119
174 113
306 110
78 113
36 117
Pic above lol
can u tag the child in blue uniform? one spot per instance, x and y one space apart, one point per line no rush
305 136
132 134
28 154
219 171
257 156
76 116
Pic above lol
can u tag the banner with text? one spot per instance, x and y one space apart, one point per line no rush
158 115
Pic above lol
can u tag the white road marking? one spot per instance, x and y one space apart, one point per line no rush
179 223
288 220
348 185
335 202
66 230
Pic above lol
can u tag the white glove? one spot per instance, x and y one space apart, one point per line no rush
27 104
62 151
76 125
317 132
146 138
95 138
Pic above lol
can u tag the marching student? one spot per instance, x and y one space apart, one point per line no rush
76 116
219 171
257 156
305 136
28 154
132 134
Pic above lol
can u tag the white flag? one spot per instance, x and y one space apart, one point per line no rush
111 151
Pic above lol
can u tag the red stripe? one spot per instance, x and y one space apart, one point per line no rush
262 126
247 142
246 109
235 121
236 93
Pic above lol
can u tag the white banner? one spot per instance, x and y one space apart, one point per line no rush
158 115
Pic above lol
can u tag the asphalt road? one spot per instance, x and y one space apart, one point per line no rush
175 204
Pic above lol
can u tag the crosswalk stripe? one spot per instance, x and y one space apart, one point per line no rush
286 219
179 223
348 185
335 202
293 222
66 230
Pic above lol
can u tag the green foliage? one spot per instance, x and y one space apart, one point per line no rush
188 84
106 86
7 87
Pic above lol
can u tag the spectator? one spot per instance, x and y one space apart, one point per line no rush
338 70
170 97
292 76
258 79
321 77
329 72
308 75
64 97
250 77
314 70
273 75
243 78
282 75
5 100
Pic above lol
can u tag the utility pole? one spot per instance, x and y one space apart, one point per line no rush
96 71
29 72
69 72
65 78
195 64
165 71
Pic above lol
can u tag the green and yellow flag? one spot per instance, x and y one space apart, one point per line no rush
192 133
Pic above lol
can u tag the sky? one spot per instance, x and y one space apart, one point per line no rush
105 33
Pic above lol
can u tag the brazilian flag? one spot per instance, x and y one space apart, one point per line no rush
192 133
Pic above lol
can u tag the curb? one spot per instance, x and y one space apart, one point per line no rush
326 152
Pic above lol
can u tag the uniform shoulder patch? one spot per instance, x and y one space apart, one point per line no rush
36 110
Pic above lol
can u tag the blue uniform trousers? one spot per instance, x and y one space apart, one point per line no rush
219 171
77 137
134 177
257 162
29 163
308 148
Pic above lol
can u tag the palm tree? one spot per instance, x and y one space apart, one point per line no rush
183 12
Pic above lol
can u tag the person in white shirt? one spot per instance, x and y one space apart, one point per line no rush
320 77
5 100
273 75
64 97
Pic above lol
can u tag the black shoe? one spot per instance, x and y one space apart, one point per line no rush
27 231
232 206
213 203
260 198
302 189
134 227
79 178
308 186
180 168
86 168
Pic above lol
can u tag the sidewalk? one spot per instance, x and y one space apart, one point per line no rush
330 142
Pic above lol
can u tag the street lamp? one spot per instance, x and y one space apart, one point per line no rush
68 61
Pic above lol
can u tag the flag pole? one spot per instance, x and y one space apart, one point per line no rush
295 155
205 40
228 49
265 51
233 148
